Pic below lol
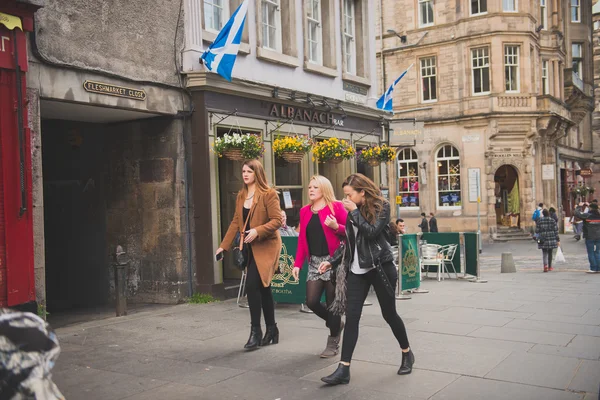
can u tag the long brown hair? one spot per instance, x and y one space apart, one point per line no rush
260 178
373 204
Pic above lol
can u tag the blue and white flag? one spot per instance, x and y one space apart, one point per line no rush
385 101
221 54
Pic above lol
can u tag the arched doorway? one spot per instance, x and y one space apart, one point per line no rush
508 198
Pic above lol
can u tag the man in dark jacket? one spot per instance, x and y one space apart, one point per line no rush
591 221
424 225
432 223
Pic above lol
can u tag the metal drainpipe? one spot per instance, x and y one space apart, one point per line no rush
381 40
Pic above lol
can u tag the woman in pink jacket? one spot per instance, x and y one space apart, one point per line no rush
322 228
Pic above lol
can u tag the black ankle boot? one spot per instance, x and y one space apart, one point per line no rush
341 375
271 335
254 339
408 359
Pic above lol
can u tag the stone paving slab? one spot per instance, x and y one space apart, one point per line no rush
498 340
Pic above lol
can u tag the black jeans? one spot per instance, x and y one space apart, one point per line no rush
357 290
259 296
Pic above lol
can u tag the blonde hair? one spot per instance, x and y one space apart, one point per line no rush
260 178
326 190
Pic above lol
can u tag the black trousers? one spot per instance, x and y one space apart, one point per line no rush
259 296
357 291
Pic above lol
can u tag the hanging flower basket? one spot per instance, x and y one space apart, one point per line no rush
375 155
333 150
239 147
292 148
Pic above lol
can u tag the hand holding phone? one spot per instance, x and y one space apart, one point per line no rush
219 254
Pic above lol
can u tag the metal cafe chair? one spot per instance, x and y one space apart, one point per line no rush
431 255
448 252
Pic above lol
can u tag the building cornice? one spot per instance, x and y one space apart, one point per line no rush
239 87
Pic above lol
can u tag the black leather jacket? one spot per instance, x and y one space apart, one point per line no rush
371 237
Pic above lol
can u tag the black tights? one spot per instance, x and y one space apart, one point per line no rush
258 296
314 291
357 290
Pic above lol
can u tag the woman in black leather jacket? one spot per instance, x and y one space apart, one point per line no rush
366 260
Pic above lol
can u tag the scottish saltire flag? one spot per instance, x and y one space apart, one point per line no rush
221 54
385 101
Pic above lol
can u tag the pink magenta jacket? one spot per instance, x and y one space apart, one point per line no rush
334 238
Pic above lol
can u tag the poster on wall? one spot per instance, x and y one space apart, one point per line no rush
548 172
287 199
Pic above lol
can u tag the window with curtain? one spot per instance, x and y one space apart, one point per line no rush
509 5
408 178
448 177
425 12
577 58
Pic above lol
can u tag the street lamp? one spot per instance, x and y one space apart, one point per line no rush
402 37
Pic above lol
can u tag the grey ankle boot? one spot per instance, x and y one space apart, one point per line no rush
332 348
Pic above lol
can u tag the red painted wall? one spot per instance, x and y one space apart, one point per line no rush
17 283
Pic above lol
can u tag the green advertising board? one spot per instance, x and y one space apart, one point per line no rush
471 253
409 262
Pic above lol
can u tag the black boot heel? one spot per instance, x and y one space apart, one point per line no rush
271 336
254 339
341 375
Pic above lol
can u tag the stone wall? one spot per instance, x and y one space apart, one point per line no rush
146 207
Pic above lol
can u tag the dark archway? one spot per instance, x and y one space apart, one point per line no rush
508 196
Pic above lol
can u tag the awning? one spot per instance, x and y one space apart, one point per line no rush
10 21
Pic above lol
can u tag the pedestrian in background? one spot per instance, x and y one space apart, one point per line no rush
548 239
424 225
285 229
393 231
401 226
433 228
592 240
322 229
258 219
553 215
365 260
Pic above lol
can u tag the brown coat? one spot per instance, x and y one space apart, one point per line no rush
265 217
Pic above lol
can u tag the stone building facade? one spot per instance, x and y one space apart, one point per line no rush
503 90
107 116
296 59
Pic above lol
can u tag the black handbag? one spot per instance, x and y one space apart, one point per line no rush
240 251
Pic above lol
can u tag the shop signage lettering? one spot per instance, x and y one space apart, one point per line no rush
114 90
505 155
305 115
585 172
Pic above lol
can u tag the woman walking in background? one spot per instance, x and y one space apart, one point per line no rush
258 219
366 260
547 238
322 227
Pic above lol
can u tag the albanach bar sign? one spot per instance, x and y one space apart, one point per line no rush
305 115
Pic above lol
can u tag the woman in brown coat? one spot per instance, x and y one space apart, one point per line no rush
258 204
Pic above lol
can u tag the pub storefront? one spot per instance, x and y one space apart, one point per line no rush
217 114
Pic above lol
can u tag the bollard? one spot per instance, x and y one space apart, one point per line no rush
120 266
508 264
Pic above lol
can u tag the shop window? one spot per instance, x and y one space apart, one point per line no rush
288 178
448 177
408 178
